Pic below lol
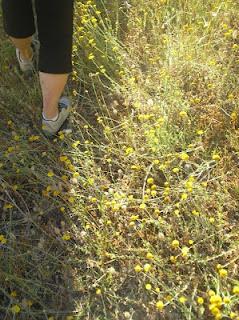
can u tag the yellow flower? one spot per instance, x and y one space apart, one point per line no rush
183 114
64 178
195 213
153 187
129 150
173 259
71 199
134 217
16 138
226 300
150 180
211 293
176 170
142 206
15 187
150 256
214 310
235 290
7 206
15 309
218 316
33 138
184 156
148 286
91 56
63 158
160 305
153 193
76 174
189 184
48 189
222 273
147 267
75 144
3 240
216 157
216 299
90 181
184 196
66 237
98 291
50 174
10 149
182 299
61 136
169 298
166 191
137 268
233 315
56 193
91 41
200 300
175 244
13 293
233 116
200 132
135 167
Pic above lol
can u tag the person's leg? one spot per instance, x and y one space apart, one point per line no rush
18 21
52 86
55 31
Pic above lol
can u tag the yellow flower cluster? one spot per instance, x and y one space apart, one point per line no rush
215 306
66 237
7 206
3 240
34 138
68 164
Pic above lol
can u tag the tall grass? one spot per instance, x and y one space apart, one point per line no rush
133 215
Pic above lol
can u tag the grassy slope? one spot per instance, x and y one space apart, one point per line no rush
135 175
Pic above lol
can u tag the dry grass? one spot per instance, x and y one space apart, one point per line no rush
135 214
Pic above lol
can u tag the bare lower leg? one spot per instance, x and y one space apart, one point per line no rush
52 86
24 45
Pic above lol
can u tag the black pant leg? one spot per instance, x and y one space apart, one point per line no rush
18 18
55 32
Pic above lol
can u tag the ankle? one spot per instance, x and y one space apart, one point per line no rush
26 54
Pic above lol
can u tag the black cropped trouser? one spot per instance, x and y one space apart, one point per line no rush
54 24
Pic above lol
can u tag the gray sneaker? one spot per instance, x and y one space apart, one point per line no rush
50 127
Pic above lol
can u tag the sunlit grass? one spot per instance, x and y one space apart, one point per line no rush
134 215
